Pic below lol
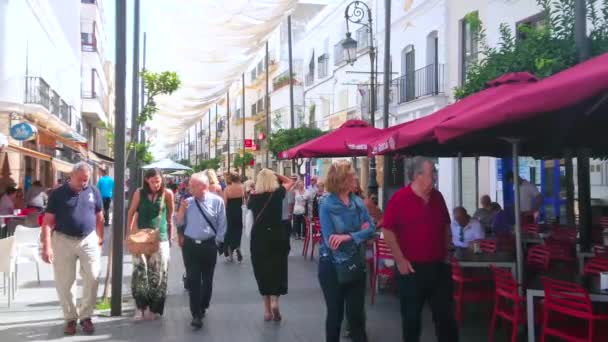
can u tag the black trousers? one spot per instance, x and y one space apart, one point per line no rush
299 225
200 260
431 282
337 297
106 210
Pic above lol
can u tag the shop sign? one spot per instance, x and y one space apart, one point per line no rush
23 131
248 143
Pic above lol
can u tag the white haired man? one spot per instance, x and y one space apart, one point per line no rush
202 222
72 230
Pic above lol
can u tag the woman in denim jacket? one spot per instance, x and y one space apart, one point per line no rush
345 225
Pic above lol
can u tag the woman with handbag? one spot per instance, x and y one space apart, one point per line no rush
345 226
269 240
148 242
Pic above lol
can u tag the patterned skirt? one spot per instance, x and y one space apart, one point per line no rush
149 280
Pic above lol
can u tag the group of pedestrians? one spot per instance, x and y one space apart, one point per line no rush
208 223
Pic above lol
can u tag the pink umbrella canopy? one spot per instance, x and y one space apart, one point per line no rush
557 109
341 142
419 135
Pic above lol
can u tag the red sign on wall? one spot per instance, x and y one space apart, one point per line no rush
248 143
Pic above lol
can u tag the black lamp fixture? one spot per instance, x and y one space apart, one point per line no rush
350 49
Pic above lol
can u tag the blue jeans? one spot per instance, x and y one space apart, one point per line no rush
337 297
431 282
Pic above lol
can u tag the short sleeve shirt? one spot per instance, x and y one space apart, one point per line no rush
75 212
420 227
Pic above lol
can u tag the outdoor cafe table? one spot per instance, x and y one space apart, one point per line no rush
4 229
467 258
535 290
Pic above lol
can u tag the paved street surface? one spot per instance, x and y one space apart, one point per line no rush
235 315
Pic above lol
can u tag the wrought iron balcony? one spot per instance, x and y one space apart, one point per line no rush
37 91
426 81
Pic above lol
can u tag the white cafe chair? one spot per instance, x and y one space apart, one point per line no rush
27 241
7 266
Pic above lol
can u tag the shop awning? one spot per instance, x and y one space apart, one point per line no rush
62 166
28 152
102 157
342 142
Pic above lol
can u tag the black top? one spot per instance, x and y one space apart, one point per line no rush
75 212
272 215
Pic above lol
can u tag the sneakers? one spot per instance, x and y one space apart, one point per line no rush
70 328
87 326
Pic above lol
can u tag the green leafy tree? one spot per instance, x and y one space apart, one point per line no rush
242 160
213 163
542 50
287 138
163 83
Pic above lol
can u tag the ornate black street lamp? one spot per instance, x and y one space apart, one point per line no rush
356 12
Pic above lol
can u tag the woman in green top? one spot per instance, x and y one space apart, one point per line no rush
153 206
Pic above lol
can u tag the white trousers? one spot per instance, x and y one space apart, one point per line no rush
66 251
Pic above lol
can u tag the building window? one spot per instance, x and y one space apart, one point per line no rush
536 21
469 48
323 61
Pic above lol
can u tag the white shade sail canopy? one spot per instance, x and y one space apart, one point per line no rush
209 44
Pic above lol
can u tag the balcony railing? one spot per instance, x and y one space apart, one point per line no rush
427 81
65 113
37 91
88 42
323 64
55 103
310 79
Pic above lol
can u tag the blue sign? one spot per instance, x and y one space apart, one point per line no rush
23 131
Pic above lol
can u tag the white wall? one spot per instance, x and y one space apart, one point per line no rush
41 47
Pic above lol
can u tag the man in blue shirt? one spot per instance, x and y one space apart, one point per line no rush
105 184
74 217
202 227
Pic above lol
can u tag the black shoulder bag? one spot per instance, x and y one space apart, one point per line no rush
205 216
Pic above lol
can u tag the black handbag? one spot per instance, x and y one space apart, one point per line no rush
351 269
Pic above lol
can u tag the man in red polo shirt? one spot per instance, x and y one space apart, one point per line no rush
417 229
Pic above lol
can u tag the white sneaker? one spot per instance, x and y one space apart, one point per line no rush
138 316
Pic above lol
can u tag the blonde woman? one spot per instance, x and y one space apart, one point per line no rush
214 183
345 226
269 240
234 196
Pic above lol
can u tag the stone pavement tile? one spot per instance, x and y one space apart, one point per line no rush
235 314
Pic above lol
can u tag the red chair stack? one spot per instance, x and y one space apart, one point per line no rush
316 235
469 289
487 245
600 251
568 314
508 304
306 237
383 252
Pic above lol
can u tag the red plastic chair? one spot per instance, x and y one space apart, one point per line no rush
487 245
306 237
508 304
469 289
562 251
569 300
595 266
600 251
538 259
531 228
383 252
565 234
505 242
316 235
604 222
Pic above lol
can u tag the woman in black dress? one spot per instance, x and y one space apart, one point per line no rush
234 195
269 240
